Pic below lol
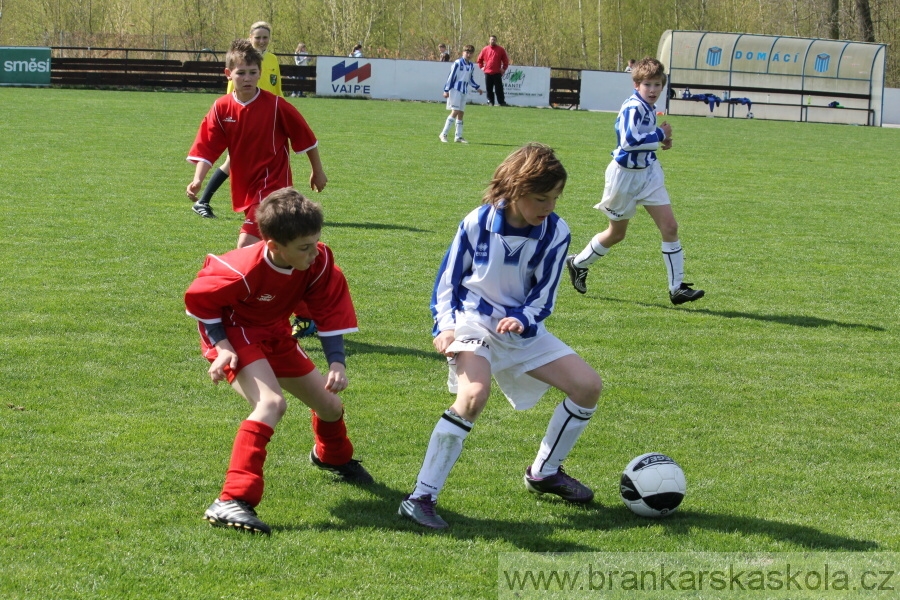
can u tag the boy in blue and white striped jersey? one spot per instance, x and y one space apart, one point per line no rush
462 75
634 177
497 284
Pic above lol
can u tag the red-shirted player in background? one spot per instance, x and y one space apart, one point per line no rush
259 129
243 301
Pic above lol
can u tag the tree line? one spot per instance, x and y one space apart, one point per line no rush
577 34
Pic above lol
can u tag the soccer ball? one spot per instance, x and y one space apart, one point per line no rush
652 485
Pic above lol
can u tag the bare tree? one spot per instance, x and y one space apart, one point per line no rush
599 33
584 57
834 19
864 21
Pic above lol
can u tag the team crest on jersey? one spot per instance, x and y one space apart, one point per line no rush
266 298
273 79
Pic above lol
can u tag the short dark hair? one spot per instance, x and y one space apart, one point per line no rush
243 51
286 215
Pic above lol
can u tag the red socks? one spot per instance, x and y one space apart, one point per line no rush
332 444
244 479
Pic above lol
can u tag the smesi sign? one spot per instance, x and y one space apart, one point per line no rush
24 66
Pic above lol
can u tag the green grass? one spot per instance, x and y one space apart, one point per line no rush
777 392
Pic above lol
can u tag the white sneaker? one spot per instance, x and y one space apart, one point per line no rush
443 138
460 140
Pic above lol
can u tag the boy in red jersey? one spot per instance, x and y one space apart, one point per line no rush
259 129
243 300
269 80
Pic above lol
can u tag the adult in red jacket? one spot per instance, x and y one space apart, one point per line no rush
494 61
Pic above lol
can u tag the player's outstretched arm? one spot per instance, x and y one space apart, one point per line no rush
317 179
200 172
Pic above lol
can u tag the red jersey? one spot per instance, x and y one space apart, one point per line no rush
256 135
244 290
493 59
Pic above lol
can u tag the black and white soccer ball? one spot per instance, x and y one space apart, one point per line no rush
653 485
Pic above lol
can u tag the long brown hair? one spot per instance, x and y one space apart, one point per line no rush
533 168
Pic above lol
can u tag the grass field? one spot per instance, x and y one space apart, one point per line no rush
777 393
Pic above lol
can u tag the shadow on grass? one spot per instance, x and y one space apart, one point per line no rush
795 320
684 521
380 511
364 348
376 226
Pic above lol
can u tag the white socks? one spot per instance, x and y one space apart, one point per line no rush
566 425
448 125
444 448
592 252
673 256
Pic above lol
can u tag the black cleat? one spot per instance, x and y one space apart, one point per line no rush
351 471
561 484
203 209
578 275
685 294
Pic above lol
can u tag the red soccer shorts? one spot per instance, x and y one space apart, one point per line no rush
285 357
250 227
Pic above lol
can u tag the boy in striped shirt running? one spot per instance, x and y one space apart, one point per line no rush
634 177
462 75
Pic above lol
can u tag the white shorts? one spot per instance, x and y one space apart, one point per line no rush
510 356
456 100
625 189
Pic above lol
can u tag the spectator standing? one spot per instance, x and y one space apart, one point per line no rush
630 65
444 54
301 59
301 56
494 61
356 52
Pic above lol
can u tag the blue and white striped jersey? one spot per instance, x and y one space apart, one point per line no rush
497 271
462 75
636 134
